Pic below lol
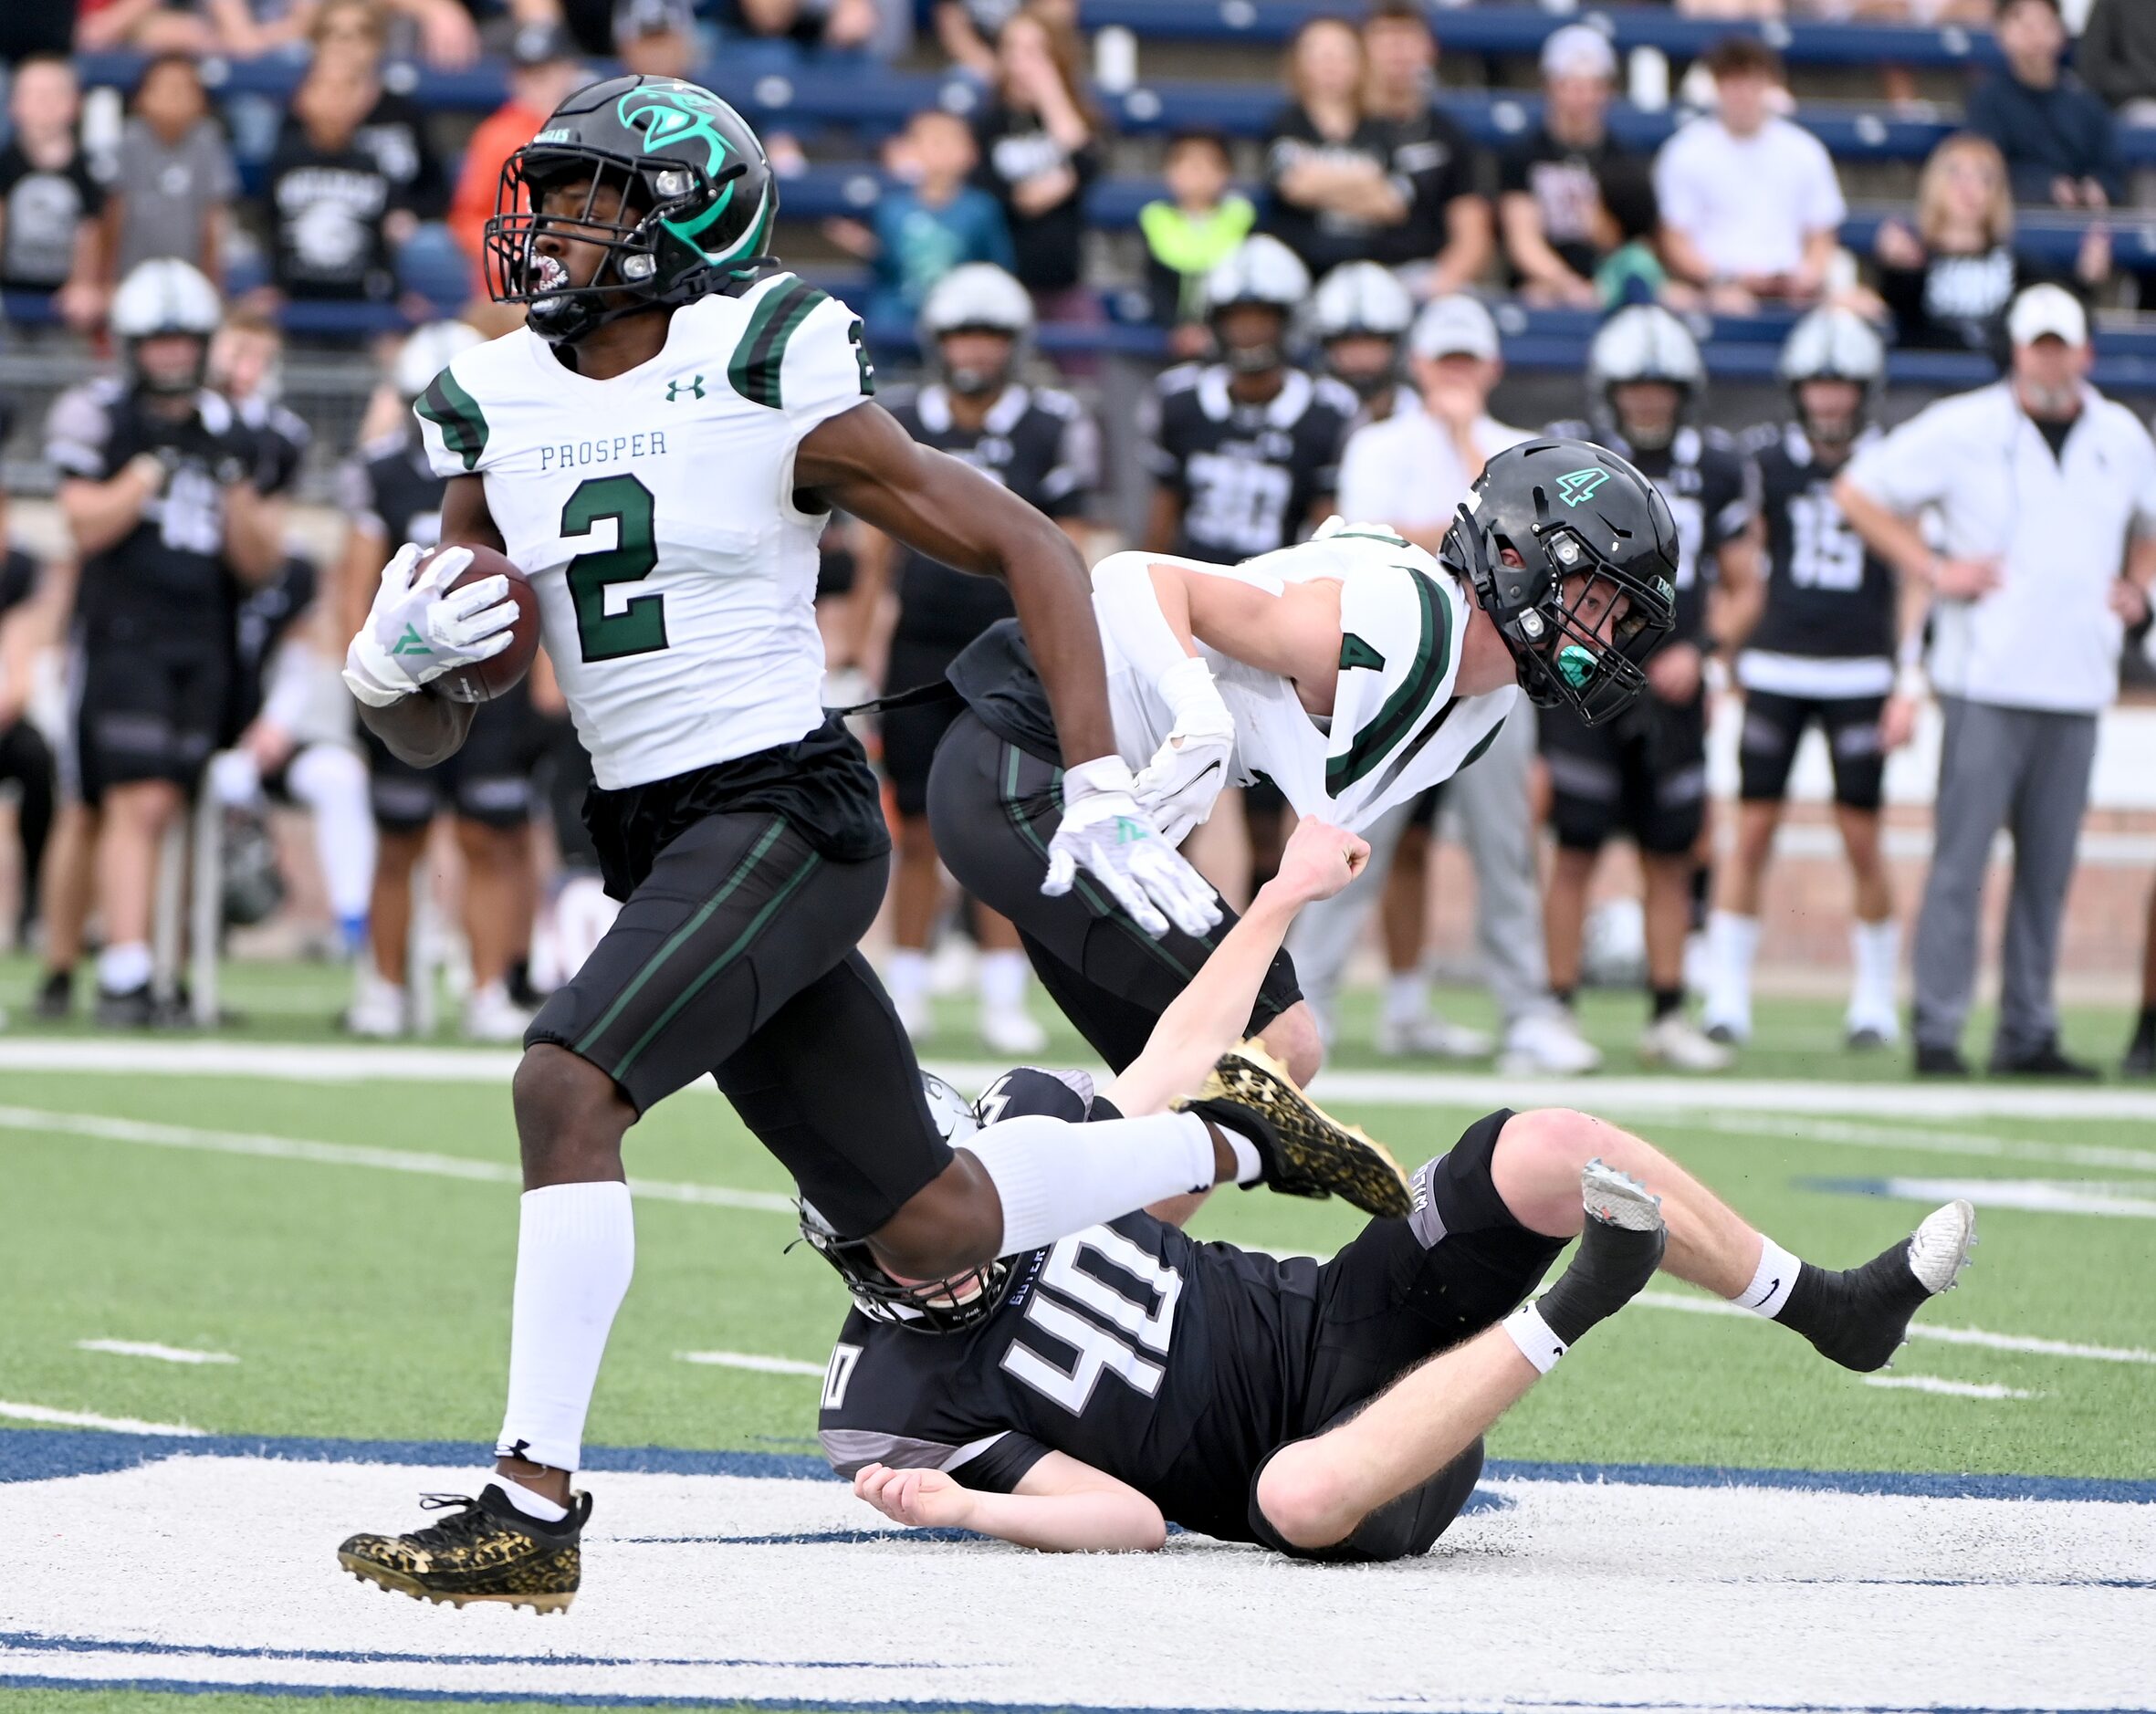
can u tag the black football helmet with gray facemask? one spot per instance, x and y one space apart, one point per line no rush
698 200
931 1306
1569 509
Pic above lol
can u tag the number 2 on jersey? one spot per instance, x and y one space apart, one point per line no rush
639 628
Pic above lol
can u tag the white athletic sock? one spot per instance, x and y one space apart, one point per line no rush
529 1501
331 782
1002 979
576 1246
1733 942
1773 1284
1526 1329
1055 1178
125 968
1407 996
907 977
1876 950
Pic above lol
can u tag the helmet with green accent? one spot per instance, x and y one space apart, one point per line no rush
692 204
1554 535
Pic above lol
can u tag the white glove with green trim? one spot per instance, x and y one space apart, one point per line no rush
1105 834
415 632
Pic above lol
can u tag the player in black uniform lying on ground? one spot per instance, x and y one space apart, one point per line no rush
1085 1395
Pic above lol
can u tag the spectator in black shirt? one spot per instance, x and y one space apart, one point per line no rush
1039 149
50 204
1547 178
2117 56
349 36
1948 283
2058 138
1444 243
1328 162
336 213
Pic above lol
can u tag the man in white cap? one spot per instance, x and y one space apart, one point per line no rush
1409 472
1546 177
2045 495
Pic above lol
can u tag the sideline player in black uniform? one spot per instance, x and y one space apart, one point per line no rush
1646 773
731 404
391 495
1824 653
159 488
1245 451
1084 1396
1039 444
1359 317
26 627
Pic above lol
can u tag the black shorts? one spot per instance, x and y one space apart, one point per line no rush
1644 774
993 808
488 780
912 733
147 714
1774 724
1399 1294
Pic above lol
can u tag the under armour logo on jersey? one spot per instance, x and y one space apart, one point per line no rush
694 388
1575 486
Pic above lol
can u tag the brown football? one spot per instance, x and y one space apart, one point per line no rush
485 680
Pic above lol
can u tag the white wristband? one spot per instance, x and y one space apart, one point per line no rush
1910 683
1103 774
1187 687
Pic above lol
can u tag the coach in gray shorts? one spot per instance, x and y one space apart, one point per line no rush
2045 497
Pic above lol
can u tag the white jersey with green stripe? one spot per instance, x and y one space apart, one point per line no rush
1396 727
654 516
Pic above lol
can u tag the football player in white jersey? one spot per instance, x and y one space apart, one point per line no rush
1352 670
658 449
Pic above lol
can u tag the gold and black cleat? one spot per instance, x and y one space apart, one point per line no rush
1303 1150
487 1550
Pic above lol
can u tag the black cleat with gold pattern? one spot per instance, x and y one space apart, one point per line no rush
1306 1152
487 1550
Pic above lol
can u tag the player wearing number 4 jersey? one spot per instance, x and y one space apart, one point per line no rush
658 450
1085 1395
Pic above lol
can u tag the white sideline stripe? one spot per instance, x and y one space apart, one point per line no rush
286 1148
1945 1388
2027 1342
1922 1142
354 1063
749 1360
84 1419
150 1348
2039 1196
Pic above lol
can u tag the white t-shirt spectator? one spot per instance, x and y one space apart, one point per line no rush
1748 203
1406 471
2058 524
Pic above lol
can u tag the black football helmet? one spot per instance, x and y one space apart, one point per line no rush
1569 509
698 200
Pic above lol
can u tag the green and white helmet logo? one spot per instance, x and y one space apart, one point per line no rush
671 111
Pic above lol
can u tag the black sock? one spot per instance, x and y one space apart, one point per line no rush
1563 996
1856 1316
1606 1272
1667 1000
1702 888
2144 1029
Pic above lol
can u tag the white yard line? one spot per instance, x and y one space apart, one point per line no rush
2036 1196
749 1360
84 1419
1945 1388
150 1348
2025 1343
1917 1140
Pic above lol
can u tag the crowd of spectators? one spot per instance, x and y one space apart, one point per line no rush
1322 293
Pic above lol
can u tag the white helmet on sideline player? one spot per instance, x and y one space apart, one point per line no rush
978 297
1833 344
1361 301
1263 272
165 297
1644 342
427 351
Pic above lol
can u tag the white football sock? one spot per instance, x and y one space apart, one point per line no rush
125 967
528 1500
576 1248
1733 943
1002 980
1876 950
1055 1178
1772 1284
907 977
1407 996
1526 1329
331 782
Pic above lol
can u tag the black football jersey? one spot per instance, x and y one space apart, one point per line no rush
1712 488
280 441
1827 595
1248 474
388 490
266 612
165 582
1174 1365
1038 443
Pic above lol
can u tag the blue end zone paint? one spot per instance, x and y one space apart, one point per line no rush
36 1455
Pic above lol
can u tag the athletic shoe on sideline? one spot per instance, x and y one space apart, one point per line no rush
1547 1043
917 1015
490 1015
1012 1032
379 1010
1674 1043
1430 1037
1303 1150
486 1552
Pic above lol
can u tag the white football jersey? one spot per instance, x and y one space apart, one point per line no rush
1396 727
654 514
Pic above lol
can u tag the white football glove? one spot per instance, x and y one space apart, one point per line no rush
1105 832
415 632
1178 788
